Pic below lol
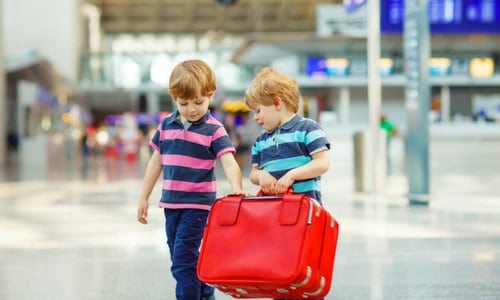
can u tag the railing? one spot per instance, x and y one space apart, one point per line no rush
139 70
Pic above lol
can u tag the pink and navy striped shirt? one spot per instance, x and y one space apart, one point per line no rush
188 155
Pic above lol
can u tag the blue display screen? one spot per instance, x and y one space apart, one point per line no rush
320 67
446 16
316 67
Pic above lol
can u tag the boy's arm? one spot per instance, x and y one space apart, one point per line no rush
317 166
232 171
254 175
151 175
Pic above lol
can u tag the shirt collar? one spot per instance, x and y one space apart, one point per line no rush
174 117
288 125
292 122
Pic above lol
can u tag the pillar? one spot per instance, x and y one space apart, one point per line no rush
344 102
416 54
3 103
445 104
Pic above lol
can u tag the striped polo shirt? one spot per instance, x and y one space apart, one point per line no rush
289 146
188 154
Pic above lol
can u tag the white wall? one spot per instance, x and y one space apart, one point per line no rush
33 147
50 27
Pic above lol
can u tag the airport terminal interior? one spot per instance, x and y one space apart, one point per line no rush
83 88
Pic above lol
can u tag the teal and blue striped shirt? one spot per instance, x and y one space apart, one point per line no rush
289 146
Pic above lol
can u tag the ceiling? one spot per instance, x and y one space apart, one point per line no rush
199 16
272 28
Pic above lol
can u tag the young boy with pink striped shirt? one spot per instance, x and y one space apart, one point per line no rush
186 145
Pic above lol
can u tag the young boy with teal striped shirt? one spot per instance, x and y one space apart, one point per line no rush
293 150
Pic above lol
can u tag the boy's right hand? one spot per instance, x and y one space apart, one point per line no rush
267 183
142 211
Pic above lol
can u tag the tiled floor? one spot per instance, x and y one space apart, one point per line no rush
70 233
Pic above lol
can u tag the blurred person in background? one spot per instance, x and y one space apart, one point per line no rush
391 131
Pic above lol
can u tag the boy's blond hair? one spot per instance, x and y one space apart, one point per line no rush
269 85
192 79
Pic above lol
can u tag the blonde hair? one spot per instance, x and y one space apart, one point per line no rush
192 79
268 85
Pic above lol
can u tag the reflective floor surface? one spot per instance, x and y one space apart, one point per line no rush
69 232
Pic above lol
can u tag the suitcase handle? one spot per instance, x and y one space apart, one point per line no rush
289 191
290 207
261 196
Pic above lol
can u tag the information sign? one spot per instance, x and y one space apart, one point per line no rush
446 16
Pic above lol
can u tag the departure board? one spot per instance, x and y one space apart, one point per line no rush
446 16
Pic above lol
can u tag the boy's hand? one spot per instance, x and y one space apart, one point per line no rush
241 192
284 183
267 183
142 211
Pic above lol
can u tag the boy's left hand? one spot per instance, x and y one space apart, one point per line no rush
283 184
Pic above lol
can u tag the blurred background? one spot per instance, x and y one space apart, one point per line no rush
83 83
96 72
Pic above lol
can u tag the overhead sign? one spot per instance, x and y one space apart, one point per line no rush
446 16
332 19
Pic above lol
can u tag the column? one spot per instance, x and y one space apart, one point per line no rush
416 54
445 104
3 102
376 161
344 102
153 102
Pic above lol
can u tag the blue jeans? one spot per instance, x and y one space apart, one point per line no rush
184 228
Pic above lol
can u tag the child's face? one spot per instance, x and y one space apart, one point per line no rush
192 109
266 116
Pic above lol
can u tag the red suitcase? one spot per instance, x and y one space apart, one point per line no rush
269 247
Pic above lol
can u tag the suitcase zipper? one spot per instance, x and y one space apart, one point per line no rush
310 215
311 211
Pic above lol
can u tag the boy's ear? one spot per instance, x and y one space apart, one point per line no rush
277 101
